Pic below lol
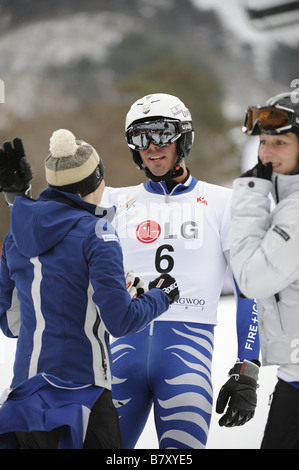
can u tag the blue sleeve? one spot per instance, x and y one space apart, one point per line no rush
9 307
247 327
121 315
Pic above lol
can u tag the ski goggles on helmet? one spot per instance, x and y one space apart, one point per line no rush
161 132
269 120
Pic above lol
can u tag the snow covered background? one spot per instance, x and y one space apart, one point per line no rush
248 436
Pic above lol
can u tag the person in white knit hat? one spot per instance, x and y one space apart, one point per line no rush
66 265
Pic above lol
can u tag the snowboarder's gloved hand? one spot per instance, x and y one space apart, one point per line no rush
168 284
239 392
15 171
259 171
135 285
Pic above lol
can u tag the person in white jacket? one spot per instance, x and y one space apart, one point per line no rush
264 254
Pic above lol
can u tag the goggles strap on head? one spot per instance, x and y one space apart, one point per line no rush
269 120
162 133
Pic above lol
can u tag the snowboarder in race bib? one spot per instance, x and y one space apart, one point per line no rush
179 225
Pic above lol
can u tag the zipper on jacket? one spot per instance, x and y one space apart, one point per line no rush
277 298
95 332
276 189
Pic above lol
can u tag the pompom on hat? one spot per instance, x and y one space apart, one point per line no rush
73 165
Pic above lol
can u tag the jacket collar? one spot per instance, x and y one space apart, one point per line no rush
161 188
284 185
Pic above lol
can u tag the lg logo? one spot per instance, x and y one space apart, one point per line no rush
149 231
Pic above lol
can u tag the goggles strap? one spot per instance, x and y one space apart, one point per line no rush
149 130
268 119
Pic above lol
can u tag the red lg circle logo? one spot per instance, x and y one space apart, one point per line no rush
148 231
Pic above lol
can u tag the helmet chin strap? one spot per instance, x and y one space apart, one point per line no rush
175 172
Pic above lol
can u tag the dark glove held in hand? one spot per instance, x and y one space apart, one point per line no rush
168 284
239 392
15 171
259 171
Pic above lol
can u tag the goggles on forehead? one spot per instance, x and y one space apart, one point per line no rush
161 132
269 120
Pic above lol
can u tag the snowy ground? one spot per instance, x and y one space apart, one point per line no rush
245 437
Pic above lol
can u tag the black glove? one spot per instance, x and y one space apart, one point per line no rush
15 171
240 391
168 284
259 171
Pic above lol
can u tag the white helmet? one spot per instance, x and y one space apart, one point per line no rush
163 108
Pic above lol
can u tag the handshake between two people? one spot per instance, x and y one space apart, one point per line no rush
136 286
237 398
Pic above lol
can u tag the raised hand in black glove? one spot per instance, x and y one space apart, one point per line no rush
239 392
168 284
260 171
15 171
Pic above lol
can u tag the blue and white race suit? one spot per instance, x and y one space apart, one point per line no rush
168 364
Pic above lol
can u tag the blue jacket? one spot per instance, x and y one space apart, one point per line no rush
67 267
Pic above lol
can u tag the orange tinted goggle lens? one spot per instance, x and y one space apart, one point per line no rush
269 118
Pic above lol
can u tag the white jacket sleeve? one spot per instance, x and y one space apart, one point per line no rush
264 245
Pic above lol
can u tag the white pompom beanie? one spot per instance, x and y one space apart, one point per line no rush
73 165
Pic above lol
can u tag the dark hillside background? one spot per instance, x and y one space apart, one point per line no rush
80 65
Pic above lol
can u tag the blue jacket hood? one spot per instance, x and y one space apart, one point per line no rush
38 225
